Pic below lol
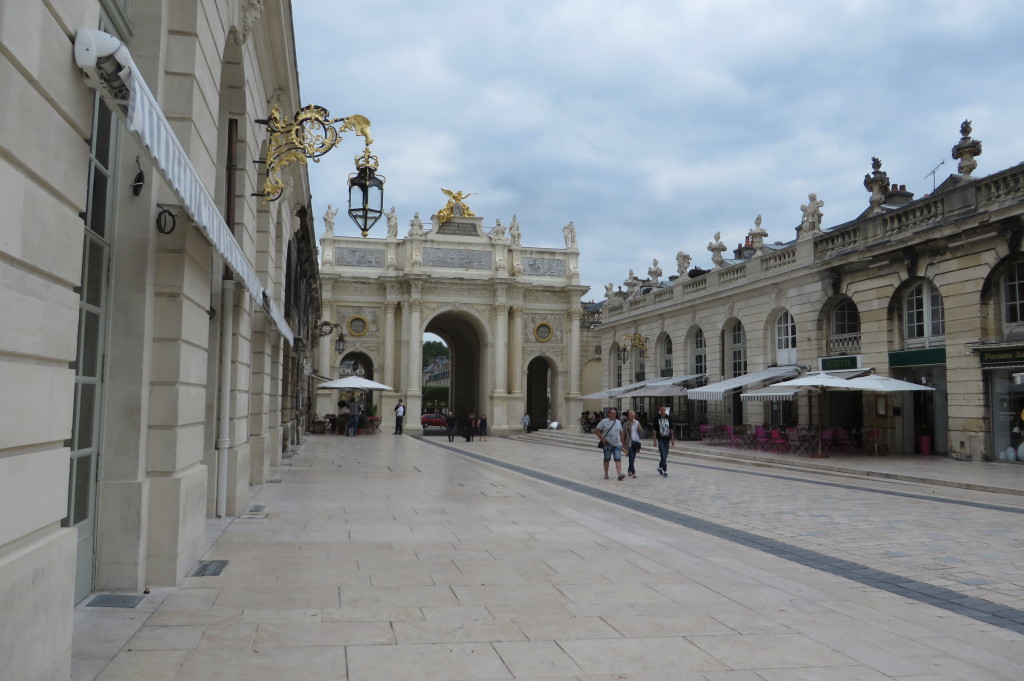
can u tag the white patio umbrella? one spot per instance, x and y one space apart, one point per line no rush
353 383
884 384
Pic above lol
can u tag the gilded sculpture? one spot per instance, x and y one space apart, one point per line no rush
456 206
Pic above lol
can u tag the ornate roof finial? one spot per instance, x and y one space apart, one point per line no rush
966 150
876 182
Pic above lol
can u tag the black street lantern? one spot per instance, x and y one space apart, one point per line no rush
365 193
339 345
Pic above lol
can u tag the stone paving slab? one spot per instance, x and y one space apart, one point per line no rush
406 559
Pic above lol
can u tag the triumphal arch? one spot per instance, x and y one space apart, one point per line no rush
509 314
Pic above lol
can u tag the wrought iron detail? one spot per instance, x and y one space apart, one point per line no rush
309 134
323 329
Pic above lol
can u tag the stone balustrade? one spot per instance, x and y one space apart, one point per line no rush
974 196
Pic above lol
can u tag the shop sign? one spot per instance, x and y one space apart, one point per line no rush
914 358
839 363
1000 356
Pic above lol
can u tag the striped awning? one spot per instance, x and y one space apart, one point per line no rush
771 393
717 391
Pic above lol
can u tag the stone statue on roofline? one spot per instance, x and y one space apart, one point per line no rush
682 263
415 225
569 234
329 219
812 215
392 222
514 232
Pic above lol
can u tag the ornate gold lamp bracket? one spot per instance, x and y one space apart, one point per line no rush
322 330
309 134
637 341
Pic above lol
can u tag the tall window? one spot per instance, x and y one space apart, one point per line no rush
1013 294
785 332
666 357
618 367
738 350
924 320
844 329
700 354
91 342
640 365
785 339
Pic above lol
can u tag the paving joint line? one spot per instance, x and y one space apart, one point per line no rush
1011 619
826 483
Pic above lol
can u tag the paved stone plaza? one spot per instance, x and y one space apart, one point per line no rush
388 558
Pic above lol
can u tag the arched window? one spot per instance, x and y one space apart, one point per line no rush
785 339
1013 294
700 353
666 357
844 329
924 320
737 350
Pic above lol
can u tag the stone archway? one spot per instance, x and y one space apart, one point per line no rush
541 386
467 343
495 302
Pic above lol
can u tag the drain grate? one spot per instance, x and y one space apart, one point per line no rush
256 509
209 568
275 481
115 601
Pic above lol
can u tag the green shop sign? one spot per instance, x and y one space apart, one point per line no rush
997 357
916 358
840 363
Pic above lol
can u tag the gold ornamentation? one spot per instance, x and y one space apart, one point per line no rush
308 134
543 332
456 206
637 341
358 326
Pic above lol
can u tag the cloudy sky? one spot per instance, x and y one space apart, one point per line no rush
653 124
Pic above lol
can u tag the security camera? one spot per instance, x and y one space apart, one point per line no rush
105 61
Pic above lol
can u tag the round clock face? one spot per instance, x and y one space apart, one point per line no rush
357 326
542 332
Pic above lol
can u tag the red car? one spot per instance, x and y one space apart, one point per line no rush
432 421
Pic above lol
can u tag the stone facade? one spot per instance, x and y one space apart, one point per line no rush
926 290
119 329
509 314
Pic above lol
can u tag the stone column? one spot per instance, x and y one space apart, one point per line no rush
390 375
413 370
573 389
326 344
501 341
516 352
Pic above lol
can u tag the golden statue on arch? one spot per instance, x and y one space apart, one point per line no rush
456 206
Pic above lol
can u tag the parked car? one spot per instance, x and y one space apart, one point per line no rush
432 421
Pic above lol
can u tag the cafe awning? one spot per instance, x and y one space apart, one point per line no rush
717 391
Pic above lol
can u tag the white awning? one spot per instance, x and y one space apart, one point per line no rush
618 392
789 392
716 391
145 119
675 380
771 393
